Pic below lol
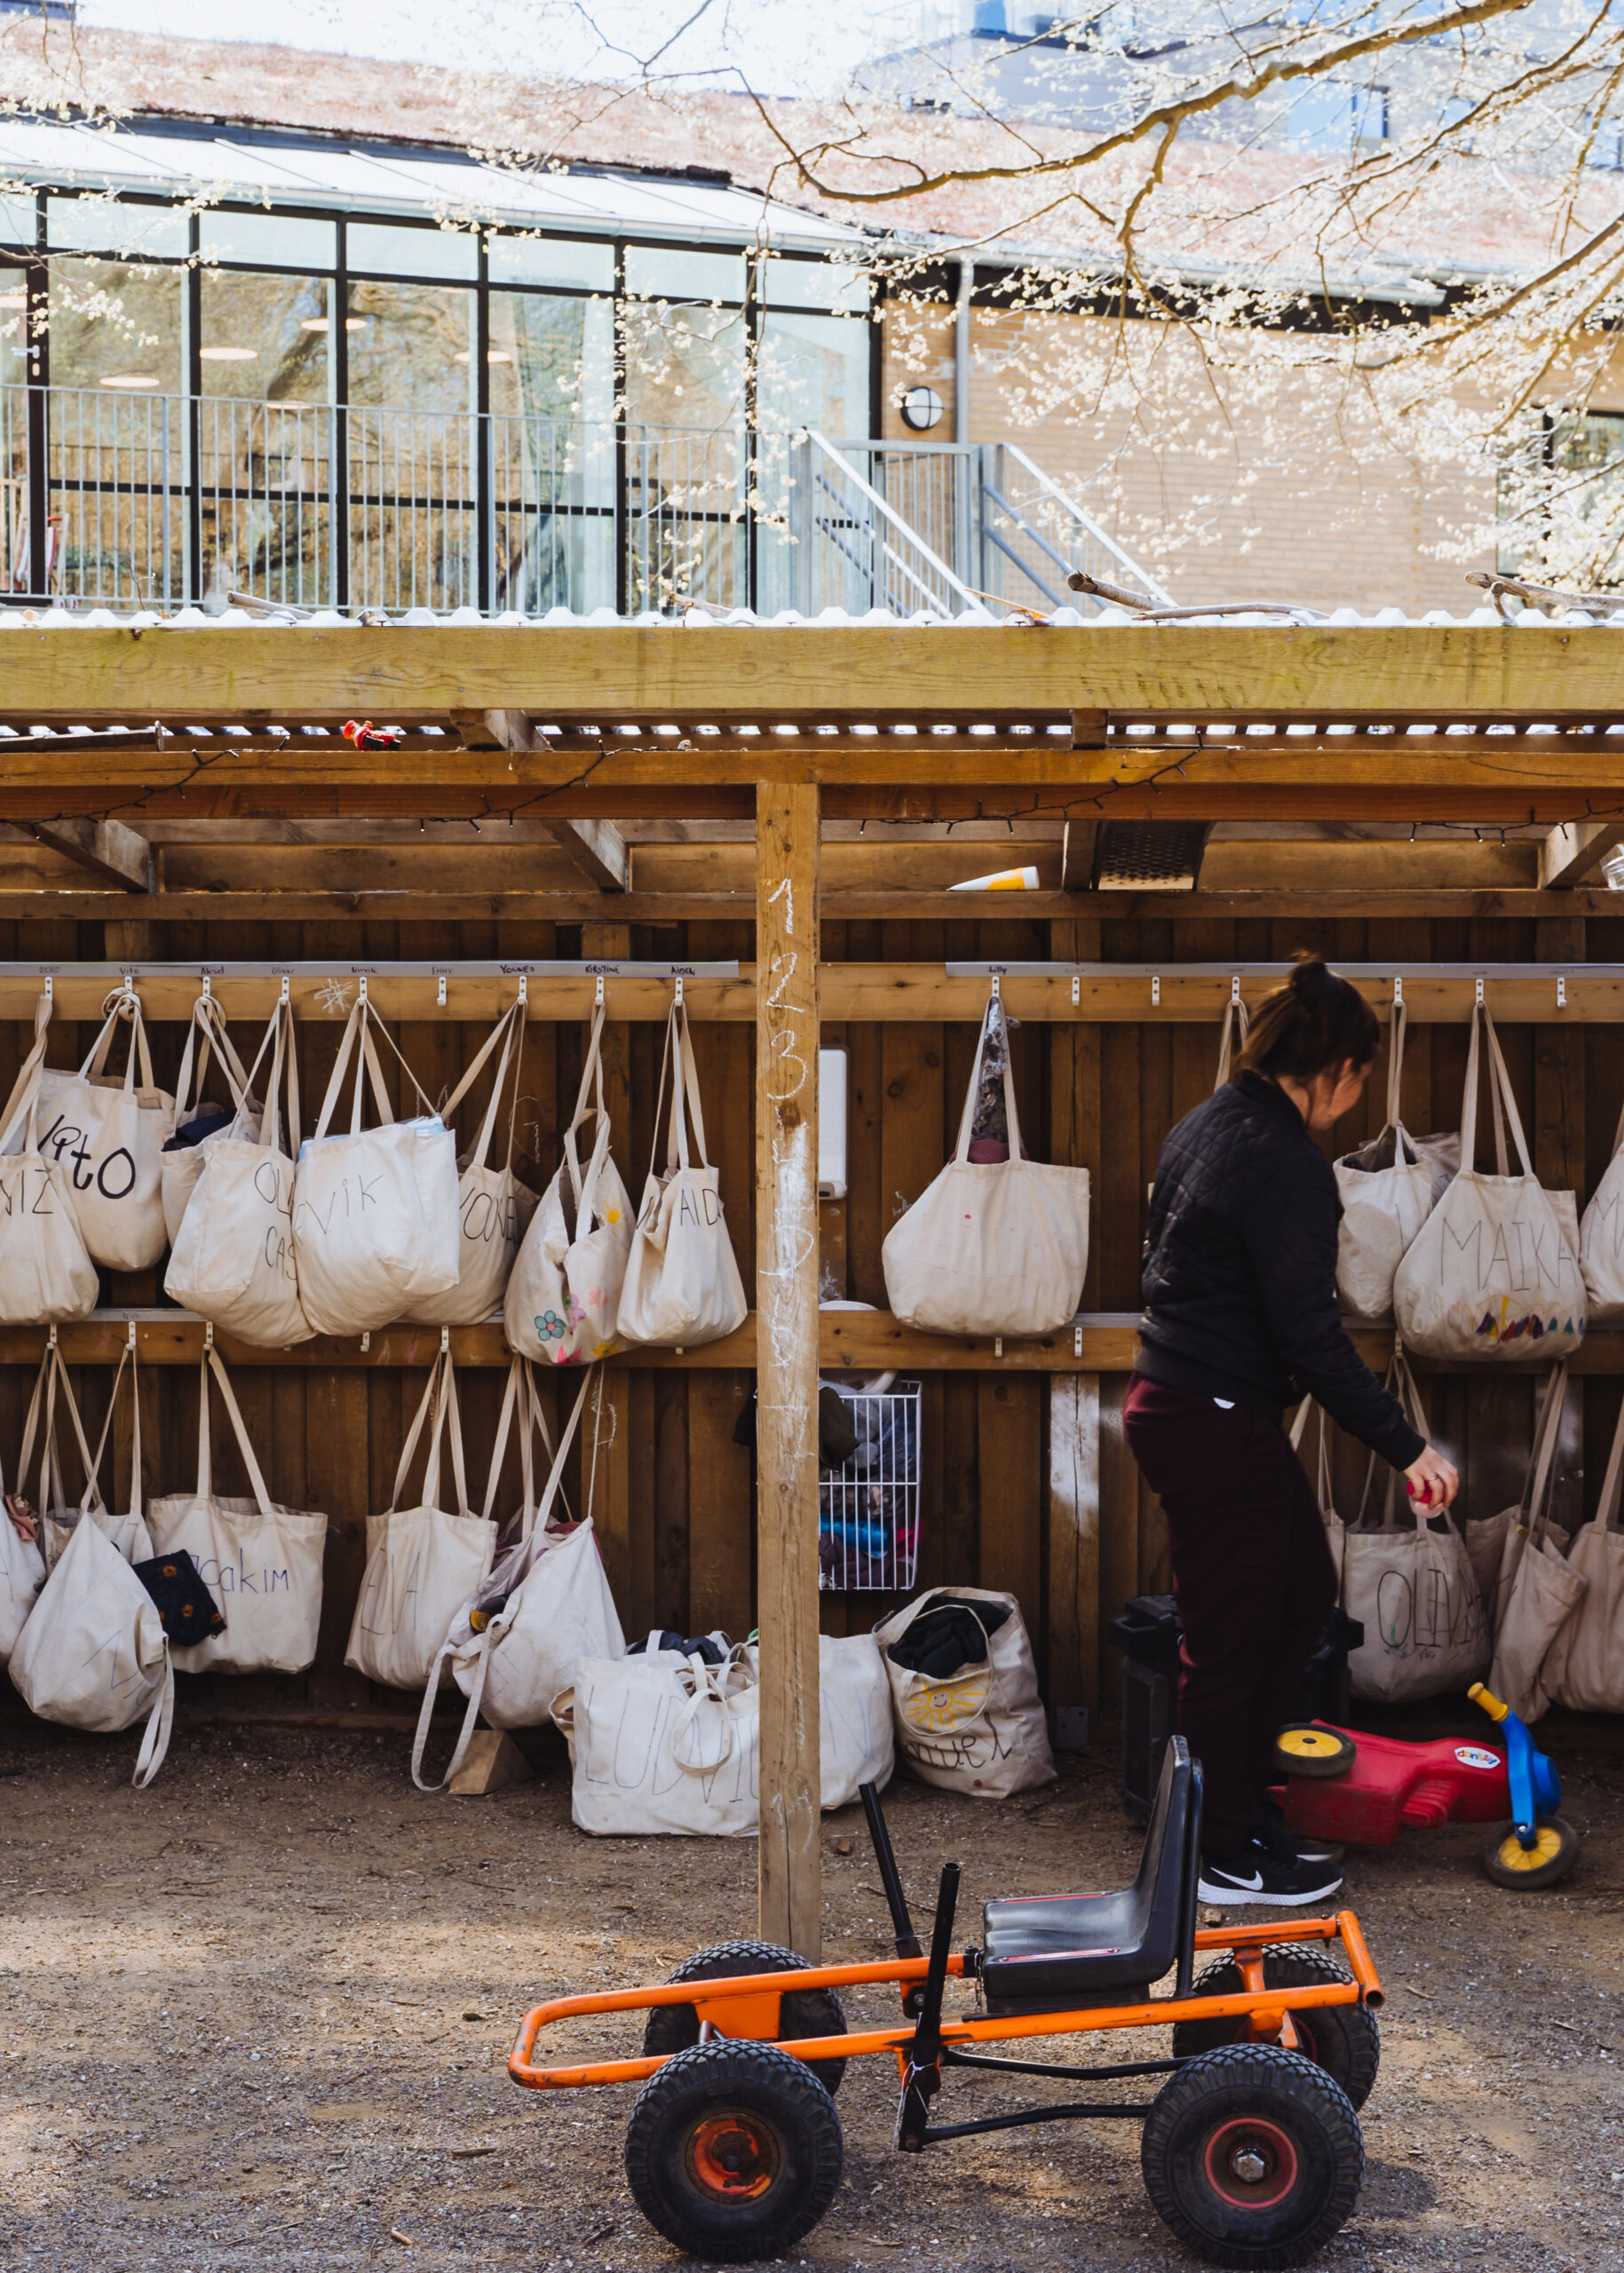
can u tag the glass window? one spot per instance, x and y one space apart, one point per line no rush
13 326
815 284
266 337
92 225
814 371
655 274
411 347
412 252
551 260
116 327
16 220
554 357
271 240
685 365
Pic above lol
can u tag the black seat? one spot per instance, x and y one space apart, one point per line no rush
1047 1952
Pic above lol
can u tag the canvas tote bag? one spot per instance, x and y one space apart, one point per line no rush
183 1164
564 1298
977 1727
1539 1591
1236 1015
1410 1582
108 1134
1587 1672
59 1517
493 1207
1601 1240
1334 1528
995 1246
375 1220
232 1261
260 1561
46 1273
1486 1536
1383 1207
422 1563
682 1286
1493 1270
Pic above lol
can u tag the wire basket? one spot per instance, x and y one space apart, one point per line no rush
868 1508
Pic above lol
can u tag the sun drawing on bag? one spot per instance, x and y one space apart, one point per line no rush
605 1349
551 1328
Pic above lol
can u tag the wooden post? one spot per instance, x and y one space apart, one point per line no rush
786 828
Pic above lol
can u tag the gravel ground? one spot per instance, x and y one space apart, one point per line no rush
256 2018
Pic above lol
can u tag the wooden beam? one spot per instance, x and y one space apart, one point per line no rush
107 848
789 1848
1077 849
597 850
1574 851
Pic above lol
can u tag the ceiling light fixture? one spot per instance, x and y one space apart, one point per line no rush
321 323
229 354
492 355
131 379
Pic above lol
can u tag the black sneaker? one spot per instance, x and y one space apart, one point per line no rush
1264 1875
1295 1845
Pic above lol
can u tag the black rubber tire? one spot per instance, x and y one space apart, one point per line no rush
1333 1755
803 2012
711 2103
1526 1878
1343 2039
1274 2108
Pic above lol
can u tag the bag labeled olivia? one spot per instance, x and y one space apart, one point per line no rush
564 1298
232 1261
1493 1270
108 1135
261 1562
375 1220
1601 1240
1539 1591
201 1122
1587 1673
1386 1194
46 1273
964 1691
422 1563
682 1286
991 1247
1410 1584
514 1645
493 1207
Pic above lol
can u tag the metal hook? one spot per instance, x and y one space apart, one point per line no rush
444 1341
1155 994
366 1342
1398 993
524 988
207 987
207 1335
997 986
363 986
439 996
1562 994
130 1345
52 1341
50 987
1076 990
287 996
1234 988
1480 994
679 1003
1076 1342
598 993
998 1345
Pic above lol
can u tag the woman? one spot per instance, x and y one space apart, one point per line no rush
1241 1320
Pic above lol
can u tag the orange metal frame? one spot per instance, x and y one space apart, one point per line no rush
748 2005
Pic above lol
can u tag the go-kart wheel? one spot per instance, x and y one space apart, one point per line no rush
734 2150
1304 1748
1252 2155
803 2012
1343 2039
1553 1855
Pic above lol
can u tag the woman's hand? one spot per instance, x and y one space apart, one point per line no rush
1433 1480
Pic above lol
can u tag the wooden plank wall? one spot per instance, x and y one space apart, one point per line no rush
1027 1486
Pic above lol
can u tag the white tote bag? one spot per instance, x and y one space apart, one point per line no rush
995 1246
60 1517
1383 1207
663 1743
260 1561
564 1298
978 1726
422 1563
1539 1591
1587 1672
207 1040
46 1273
1493 1271
1601 1240
232 1261
1410 1583
493 1207
682 1286
375 1221
108 1136
857 1739
1487 1536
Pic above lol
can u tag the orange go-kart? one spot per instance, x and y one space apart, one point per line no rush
1251 2148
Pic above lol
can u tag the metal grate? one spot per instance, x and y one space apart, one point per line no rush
869 1509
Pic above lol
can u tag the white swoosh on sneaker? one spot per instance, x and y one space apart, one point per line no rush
1253 1885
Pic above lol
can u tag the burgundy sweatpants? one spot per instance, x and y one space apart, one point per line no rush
1254 1580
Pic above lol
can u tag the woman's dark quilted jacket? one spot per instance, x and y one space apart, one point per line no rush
1240 1270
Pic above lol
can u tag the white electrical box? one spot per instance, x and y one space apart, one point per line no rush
831 1124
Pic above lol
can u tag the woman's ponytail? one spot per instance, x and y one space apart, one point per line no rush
1315 1021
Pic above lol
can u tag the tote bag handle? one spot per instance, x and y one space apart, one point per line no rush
208 1020
1534 1514
1612 1483
23 1103
282 1043
439 1408
136 1485
509 1027
1235 1015
961 1152
677 1059
205 1455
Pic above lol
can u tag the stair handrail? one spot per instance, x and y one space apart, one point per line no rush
972 600
1157 593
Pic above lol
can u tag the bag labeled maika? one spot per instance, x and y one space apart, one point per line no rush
1386 1194
564 1298
964 1691
232 1261
108 1135
1587 1672
202 1122
422 1563
493 1207
1493 1270
1410 1583
46 1273
375 1221
682 1286
261 1562
991 1247
1601 1240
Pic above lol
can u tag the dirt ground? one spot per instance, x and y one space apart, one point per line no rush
256 2018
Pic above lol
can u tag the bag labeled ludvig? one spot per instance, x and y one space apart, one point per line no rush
991 1247
108 1134
564 1298
493 1207
1493 1270
46 1273
964 1691
682 1285
1386 1194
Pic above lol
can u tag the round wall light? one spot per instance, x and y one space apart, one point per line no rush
922 408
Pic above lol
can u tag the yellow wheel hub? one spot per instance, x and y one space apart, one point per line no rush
1311 1744
1547 1846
